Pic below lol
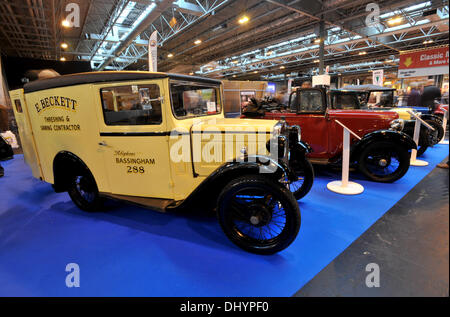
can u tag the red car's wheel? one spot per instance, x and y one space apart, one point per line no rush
384 162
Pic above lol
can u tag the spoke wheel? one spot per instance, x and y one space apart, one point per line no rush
435 136
305 178
384 162
258 215
84 192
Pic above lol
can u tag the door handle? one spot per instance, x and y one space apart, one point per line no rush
102 144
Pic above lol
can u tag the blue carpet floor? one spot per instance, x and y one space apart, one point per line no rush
131 251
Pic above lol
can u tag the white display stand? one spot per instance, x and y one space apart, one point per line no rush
419 122
344 186
444 125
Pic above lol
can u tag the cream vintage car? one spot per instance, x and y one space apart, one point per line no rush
161 140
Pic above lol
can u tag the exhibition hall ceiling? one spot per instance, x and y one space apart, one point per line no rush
252 39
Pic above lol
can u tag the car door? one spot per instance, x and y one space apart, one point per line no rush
311 112
134 138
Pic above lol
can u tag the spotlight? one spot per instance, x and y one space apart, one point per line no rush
64 45
244 19
198 42
62 59
65 23
395 21
170 55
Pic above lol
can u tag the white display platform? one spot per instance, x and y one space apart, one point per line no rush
351 188
418 163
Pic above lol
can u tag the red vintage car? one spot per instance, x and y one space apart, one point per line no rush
382 154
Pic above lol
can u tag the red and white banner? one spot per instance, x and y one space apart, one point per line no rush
428 62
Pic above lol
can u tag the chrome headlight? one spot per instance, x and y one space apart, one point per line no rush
397 125
279 128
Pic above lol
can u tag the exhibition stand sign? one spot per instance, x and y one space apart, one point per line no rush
424 63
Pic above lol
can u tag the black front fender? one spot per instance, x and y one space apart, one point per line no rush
298 150
253 165
398 138
431 117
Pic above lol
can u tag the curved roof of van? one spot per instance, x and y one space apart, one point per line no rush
107 76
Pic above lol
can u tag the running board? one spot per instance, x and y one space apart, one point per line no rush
156 204
318 161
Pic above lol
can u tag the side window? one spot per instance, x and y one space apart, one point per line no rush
132 105
18 106
345 101
311 101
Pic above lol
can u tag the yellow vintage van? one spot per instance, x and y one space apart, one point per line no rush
161 140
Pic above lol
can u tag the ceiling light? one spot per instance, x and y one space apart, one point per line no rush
282 67
395 21
62 59
64 45
65 23
234 76
170 55
269 53
317 41
255 72
235 62
428 41
198 42
244 19
191 74
362 53
316 61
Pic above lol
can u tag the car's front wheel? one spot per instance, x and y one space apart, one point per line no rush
258 214
84 192
384 162
304 172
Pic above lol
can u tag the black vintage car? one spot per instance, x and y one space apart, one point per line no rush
379 97
6 151
358 100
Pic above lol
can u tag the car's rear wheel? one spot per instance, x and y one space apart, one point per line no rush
384 162
84 192
304 171
258 214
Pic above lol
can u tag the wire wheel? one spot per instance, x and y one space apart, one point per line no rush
258 215
83 191
305 177
384 161
85 188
